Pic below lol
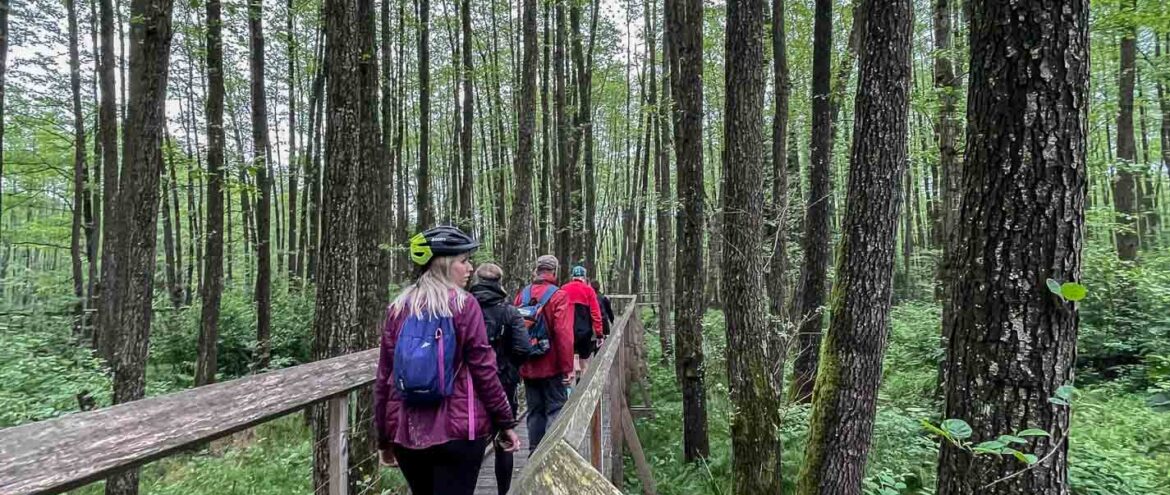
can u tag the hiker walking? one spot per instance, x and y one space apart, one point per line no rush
437 396
587 326
606 307
550 325
508 336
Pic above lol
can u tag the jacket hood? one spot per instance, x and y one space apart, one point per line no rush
488 293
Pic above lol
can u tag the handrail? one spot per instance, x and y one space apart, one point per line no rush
64 453
557 466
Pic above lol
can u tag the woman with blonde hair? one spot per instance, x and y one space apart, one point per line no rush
437 398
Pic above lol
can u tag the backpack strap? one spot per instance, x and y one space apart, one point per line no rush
526 295
547 295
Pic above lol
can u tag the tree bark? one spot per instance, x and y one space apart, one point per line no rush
663 211
260 167
4 7
294 258
128 270
337 321
80 169
1125 188
517 252
212 287
776 273
816 234
174 290
426 216
845 396
754 443
545 240
684 20
466 178
1010 342
948 85
111 167
562 225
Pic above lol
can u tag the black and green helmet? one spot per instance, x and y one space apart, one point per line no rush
444 240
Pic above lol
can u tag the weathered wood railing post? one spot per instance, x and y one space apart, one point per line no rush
338 451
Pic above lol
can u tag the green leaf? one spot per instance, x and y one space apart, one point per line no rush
1054 287
934 429
1009 439
1065 392
1028 459
1033 432
1072 291
989 447
1058 401
957 428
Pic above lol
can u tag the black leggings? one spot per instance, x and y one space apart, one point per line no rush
451 468
504 462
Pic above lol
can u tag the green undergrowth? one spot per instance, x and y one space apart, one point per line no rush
1119 445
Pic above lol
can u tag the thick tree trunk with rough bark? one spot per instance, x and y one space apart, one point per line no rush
845 397
1010 342
128 270
684 19
517 252
816 225
337 321
212 287
754 427
111 167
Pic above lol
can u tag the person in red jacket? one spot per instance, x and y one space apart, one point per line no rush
546 377
586 311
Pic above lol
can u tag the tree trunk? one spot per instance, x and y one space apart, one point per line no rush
373 275
466 179
426 216
128 270
174 290
399 134
294 259
4 7
663 211
263 293
111 168
1125 188
816 226
80 170
845 397
777 264
1010 342
212 286
516 254
544 233
754 426
337 321
948 85
684 20
562 225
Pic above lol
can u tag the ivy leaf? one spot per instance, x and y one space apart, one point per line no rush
1054 287
1072 291
989 447
1028 459
1034 432
957 428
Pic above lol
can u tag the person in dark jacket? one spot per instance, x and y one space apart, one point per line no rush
509 337
606 307
546 377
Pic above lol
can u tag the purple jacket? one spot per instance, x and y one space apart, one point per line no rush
477 404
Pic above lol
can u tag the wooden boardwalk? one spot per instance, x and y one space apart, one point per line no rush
487 473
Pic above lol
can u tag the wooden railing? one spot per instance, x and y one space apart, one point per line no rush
582 453
60 454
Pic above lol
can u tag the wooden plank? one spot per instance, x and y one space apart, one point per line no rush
562 471
595 438
617 472
338 451
67 452
635 445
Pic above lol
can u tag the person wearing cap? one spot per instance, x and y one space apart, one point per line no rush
546 377
586 310
439 446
